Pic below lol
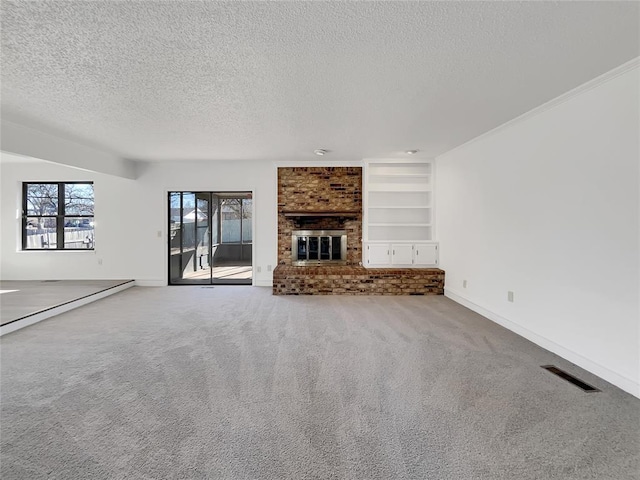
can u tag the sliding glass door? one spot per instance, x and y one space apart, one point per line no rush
211 238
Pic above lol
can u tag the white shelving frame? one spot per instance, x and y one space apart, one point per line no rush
398 200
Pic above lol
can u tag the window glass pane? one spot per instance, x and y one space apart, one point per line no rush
325 243
230 209
202 234
313 248
41 232
174 200
42 199
302 248
247 234
202 212
174 222
214 220
78 232
188 221
78 199
49 224
336 246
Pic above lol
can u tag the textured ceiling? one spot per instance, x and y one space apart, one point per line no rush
276 80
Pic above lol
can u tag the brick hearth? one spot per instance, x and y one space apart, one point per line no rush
353 280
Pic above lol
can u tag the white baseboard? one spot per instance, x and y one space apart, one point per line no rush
151 283
620 381
164 283
52 312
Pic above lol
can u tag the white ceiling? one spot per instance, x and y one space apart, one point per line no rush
276 80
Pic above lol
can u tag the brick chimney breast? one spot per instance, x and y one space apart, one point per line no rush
320 189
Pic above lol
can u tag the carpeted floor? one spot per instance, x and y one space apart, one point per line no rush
234 383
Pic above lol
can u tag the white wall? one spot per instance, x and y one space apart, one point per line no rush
131 219
156 179
548 207
115 227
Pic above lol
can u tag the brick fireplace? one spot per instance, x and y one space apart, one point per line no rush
320 198
330 199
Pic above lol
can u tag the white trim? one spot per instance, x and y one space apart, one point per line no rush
253 236
620 381
151 283
434 206
579 90
276 221
264 283
38 317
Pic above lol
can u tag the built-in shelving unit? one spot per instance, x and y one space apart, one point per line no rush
398 213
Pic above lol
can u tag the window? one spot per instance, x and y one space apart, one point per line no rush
57 216
235 221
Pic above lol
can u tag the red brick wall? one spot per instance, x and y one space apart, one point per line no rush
341 280
333 189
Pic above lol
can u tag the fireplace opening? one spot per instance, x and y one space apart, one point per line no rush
318 247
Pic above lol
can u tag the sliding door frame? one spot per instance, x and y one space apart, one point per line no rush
167 243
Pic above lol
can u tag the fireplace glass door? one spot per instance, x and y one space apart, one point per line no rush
311 247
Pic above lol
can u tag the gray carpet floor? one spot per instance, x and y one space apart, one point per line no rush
234 383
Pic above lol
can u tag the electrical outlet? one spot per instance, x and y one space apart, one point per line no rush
268 268
259 269
510 296
464 284
99 261
159 233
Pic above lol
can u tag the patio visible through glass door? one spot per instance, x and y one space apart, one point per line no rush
211 238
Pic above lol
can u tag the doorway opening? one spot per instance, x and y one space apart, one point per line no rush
210 238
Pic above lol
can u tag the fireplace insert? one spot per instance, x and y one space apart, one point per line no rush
318 247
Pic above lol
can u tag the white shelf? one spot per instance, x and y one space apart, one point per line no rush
397 233
403 241
396 207
398 201
399 187
399 224
408 175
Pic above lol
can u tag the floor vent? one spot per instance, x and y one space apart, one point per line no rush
206 287
47 281
570 378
